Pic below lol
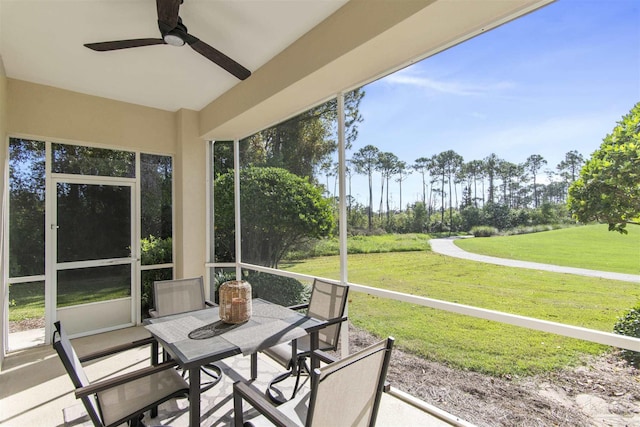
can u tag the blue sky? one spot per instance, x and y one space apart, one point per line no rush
550 82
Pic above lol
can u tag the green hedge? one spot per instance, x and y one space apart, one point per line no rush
629 325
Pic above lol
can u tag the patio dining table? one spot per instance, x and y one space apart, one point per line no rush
196 338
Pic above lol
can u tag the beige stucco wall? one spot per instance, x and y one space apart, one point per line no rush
190 196
48 112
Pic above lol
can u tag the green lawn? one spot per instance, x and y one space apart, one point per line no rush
592 247
471 343
27 299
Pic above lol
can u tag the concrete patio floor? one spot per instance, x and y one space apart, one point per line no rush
36 391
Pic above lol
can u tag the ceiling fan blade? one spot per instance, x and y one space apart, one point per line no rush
218 57
168 12
123 44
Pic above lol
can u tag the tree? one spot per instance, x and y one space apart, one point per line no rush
348 170
568 170
533 164
26 207
509 173
608 189
453 162
365 160
403 172
446 165
302 143
279 210
474 169
438 169
329 169
491 163
570 167
387 165
422 166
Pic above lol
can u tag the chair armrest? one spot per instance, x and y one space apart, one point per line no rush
116 349
242 390
336 320
298 306
325 357
122 379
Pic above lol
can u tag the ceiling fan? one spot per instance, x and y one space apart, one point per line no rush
174 33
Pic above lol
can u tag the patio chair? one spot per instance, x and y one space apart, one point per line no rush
327 302
346 392
124 398
180 296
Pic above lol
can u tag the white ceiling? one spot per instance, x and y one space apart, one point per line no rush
41 41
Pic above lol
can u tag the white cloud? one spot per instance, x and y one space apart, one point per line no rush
449 87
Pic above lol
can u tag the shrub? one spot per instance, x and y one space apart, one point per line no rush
471 217
277 289
629 325
496 215
484 231
528 230
154 250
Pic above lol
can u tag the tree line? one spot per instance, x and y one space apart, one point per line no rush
456 195
449 183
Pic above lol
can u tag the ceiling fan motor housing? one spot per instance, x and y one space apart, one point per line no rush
175 33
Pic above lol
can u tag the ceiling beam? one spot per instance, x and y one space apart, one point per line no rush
362 41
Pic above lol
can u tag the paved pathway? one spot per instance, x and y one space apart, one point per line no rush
447 247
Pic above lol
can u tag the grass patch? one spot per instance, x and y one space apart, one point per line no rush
26 301
470 343
592 247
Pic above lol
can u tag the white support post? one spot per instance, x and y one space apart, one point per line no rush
236 198
342 217
51 218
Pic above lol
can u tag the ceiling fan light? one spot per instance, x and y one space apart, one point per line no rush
173 40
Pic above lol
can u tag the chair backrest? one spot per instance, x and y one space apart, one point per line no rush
348 392
74 368
328 301
178 296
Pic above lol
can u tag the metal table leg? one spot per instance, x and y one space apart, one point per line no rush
194 396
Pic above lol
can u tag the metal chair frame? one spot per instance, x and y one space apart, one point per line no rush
296 364
87 392
243 391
